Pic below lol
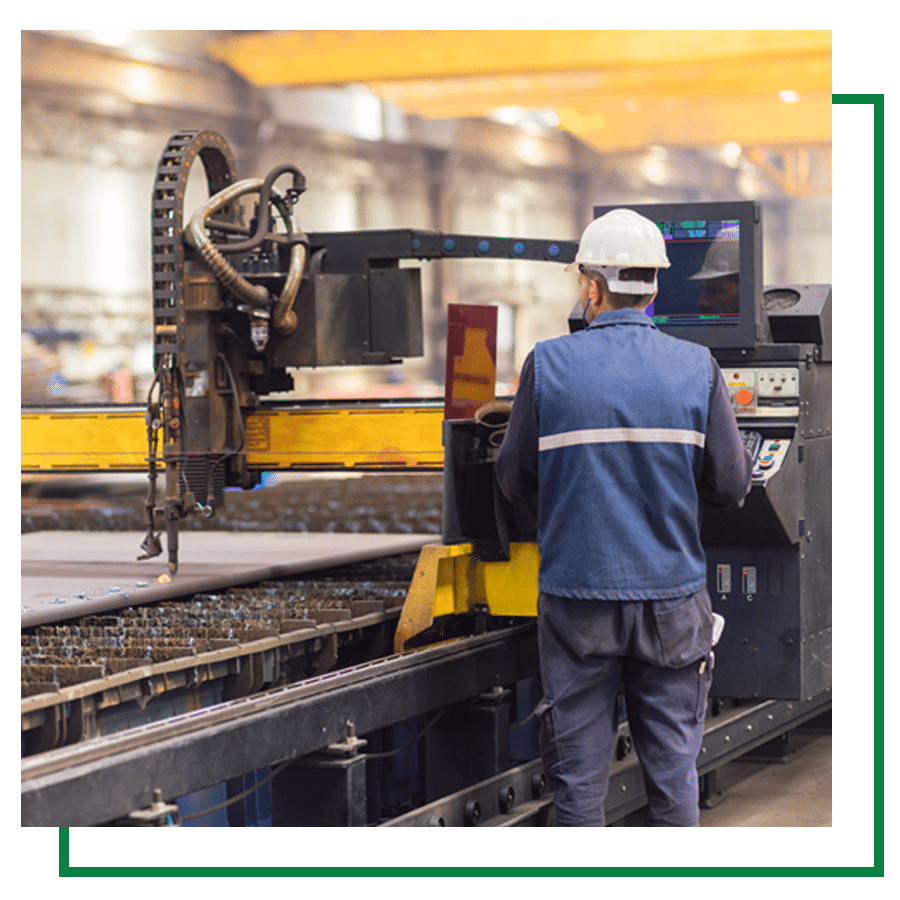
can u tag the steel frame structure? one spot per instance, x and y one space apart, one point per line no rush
102 780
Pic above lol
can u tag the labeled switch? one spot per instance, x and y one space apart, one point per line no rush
748 579
723 578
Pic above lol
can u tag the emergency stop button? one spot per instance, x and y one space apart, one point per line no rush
744 397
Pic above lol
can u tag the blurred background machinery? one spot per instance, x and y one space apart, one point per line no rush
507 133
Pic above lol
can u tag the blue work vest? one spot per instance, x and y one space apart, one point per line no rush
622 411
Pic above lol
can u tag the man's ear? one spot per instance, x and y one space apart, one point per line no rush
595 290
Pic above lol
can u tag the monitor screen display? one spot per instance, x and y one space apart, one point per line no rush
702 286
710 294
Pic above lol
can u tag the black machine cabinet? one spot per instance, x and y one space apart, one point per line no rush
351 319
769 562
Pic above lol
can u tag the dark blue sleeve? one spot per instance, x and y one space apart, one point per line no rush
517 459
726 464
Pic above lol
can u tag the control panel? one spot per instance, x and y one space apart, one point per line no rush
765 391
767 453
768 561
752 442
770 458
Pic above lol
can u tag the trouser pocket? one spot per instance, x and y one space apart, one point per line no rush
683 629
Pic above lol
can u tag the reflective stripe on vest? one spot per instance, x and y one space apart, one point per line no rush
621 435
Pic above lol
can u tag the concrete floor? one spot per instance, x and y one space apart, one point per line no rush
776 794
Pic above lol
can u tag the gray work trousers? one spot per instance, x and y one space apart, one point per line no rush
658 653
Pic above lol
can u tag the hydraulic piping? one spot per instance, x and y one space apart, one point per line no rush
283 317
195 234
283 204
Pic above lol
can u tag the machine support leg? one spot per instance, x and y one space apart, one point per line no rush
323 789
468 745
710 795
778 750
319 790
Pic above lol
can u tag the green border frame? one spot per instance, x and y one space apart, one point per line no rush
431 848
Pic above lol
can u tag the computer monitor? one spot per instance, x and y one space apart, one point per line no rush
711 293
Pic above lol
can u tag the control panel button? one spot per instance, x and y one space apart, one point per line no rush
771 457
744 397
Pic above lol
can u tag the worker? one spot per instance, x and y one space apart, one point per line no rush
617 431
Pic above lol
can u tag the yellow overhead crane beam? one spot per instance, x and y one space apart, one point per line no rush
461 97
336 57
615 90
319 438
744 120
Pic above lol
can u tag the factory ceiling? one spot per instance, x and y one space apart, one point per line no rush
615 90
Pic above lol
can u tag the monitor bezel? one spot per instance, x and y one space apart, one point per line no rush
747 334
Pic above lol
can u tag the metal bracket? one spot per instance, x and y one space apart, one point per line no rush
496 695
349 747
157 814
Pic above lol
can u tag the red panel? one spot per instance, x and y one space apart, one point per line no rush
471 359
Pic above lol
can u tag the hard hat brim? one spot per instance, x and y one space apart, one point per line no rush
709 276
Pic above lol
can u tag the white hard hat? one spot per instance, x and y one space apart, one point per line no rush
622 239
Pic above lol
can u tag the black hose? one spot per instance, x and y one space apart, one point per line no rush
262 226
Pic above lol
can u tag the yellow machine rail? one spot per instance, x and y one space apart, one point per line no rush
114 439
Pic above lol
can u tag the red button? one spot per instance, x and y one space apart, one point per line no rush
744 397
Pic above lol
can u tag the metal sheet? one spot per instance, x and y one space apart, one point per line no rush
67 574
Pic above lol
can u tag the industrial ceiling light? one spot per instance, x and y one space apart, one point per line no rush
731 153
530 151
531 120
508 115
112 38
656 168
548 118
